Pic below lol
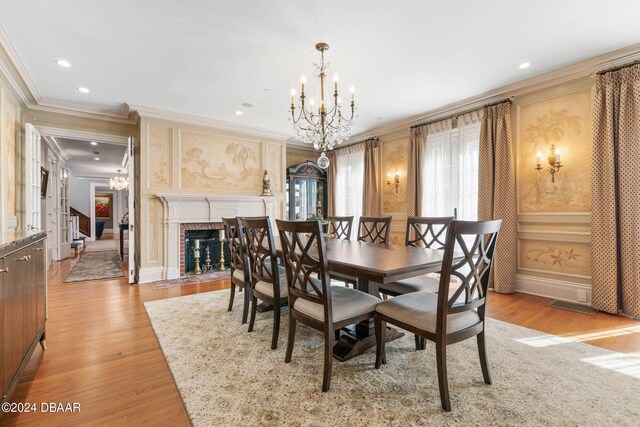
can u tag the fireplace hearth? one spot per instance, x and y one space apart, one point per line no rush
207 237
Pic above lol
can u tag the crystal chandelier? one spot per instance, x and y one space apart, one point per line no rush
118 182
324 128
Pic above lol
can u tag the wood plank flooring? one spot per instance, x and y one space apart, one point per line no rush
103 353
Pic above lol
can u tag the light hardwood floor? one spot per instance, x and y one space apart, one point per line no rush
103 353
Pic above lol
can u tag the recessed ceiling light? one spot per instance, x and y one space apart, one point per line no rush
94 143
96 158
83 89
238 113
524 65
63 63
247 104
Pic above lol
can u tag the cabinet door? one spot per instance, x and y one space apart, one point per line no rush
28 283
14 345
3 273
40 282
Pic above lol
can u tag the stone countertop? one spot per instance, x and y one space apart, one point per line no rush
16 239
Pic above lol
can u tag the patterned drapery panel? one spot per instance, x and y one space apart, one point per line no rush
497 190
416 150
331 183
371 191
615 220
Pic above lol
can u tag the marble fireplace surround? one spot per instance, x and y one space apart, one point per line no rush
184 209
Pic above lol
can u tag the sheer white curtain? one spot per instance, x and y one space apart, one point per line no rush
451 168
350 183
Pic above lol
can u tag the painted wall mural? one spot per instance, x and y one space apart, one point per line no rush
274 166
214 163
566 122
560 257
295 157
9 133
160 157
395 158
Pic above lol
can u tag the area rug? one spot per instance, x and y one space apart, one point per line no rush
101 245
191 279
96 265
227 376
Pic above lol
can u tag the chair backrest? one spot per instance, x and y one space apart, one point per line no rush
261 251
306 264
373 229
235 239
471 265
340 227
427 232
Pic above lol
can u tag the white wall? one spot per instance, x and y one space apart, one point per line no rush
79 196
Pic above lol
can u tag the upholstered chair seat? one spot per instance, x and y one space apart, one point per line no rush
420 309
346 303
267 287
238 276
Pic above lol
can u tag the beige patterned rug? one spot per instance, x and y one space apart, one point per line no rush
227 376
101 245
96 265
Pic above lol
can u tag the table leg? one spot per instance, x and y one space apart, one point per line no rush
353 343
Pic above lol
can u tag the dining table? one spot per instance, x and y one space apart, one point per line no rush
373 264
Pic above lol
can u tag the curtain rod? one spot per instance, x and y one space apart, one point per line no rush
619 67
470 110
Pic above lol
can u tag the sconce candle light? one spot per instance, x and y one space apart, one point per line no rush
554 162
396 179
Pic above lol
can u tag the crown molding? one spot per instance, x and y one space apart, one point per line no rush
82 135
172 116
583 69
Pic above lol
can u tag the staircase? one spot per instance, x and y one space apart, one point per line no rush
84 222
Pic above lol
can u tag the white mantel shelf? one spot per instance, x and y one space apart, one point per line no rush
184 209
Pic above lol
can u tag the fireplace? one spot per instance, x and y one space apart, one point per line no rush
207 235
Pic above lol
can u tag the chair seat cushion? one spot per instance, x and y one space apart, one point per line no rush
238 276
419 309
421 283
266 288
346 303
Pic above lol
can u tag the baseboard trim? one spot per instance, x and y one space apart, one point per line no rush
150 274
550 288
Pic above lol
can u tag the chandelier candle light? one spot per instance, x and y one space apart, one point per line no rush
118 182
324 128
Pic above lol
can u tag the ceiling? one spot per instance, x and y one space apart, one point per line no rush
81 158
207 58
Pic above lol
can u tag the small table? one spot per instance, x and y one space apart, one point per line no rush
373 264
123 227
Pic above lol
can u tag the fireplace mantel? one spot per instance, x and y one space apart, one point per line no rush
181 209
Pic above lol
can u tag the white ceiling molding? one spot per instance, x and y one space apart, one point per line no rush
190 119
82 135
587 68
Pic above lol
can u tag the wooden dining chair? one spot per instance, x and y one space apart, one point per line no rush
240 274
448 318
268 279
421 232
312 299
373 229
340 226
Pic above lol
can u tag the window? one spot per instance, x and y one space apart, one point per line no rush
350 183
450 174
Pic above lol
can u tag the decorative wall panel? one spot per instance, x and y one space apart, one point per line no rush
566 122
572 258
9 146
160 157
211 162
394 159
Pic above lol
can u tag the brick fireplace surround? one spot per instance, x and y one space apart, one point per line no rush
194 226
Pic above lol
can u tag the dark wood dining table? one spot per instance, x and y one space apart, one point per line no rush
373 264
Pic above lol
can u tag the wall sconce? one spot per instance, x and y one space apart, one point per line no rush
396 179
554 162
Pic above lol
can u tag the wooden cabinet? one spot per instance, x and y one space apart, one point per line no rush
306 192
22 306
